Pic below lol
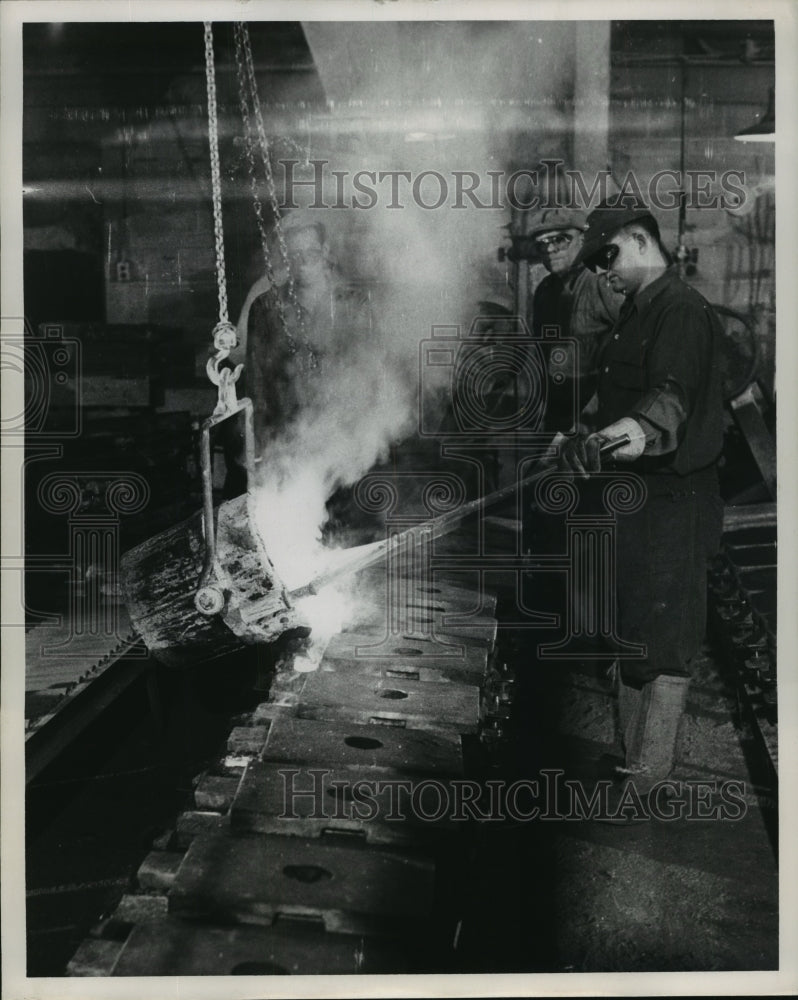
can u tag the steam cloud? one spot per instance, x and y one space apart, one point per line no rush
422 267
427 271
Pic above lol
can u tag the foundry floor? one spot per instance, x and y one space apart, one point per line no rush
560 896
583 896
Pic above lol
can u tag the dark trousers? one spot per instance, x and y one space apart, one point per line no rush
663 552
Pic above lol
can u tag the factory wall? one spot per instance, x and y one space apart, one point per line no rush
735 246
129 212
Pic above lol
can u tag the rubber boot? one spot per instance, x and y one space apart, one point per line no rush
630 700
649 719
654 729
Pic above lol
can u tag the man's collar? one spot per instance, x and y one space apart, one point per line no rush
574 272
645 297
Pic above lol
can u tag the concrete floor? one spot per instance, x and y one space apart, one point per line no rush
582 896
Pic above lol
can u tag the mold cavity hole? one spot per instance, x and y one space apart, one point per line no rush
403 672
307 873
407 651
429 590
393 694
362 743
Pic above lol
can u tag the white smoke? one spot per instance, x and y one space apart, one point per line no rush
423 267
368 395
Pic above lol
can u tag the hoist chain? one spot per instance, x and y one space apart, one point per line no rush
224 333
249 94
243 89
216 178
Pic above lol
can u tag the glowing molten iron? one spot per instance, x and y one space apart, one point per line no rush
289 522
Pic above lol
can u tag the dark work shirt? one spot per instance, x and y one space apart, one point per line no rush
585 309
661 366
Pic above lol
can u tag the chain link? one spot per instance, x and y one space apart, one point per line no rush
224 333
254 97
243 87
249 94
216 178
249 145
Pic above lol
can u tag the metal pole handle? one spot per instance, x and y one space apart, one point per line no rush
209 598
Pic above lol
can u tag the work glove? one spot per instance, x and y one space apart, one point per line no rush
626 427
581 454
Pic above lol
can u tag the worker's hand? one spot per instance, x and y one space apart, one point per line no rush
581 454
625 427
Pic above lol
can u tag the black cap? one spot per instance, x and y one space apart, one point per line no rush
605 221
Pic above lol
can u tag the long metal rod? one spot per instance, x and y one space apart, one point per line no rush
244 406
437 526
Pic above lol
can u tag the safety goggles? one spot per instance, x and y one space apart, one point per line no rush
554 242
603 259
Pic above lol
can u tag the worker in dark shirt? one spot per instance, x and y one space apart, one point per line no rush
584 308
579 303
659 385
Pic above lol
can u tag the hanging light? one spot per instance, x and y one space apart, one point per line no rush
763 130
